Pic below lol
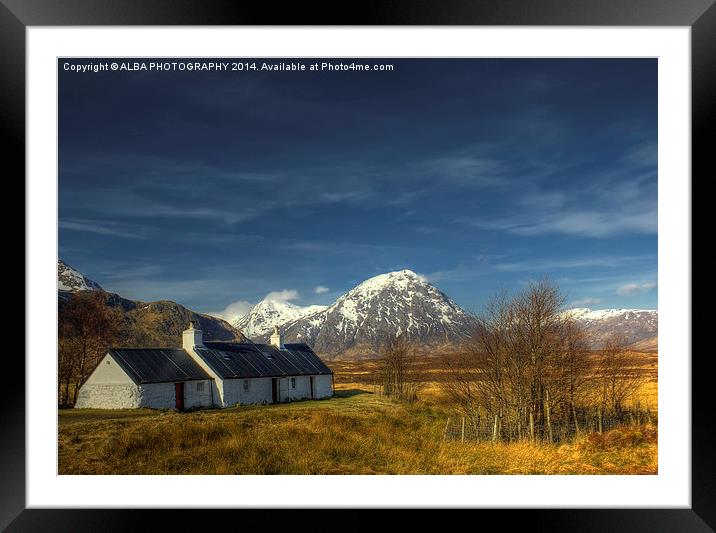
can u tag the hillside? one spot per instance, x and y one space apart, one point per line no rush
144 324
646 345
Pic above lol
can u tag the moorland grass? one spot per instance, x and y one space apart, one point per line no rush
356 432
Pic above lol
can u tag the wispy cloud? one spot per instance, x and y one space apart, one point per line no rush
466 170
104 227
586 301
618 204
599 224
286 295
130 272
635 288
233 311
573 263
320 289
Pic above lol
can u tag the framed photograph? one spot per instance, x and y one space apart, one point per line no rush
411 260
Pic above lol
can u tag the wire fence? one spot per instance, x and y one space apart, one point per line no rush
483 428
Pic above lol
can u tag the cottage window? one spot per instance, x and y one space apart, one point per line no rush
293 383
200 386
247 385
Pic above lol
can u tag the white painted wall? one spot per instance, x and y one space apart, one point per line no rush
323 386
163 395
108 387
108 396
108 371
218 383
302 390
259 392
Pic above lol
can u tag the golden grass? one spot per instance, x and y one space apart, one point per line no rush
355 433
361 374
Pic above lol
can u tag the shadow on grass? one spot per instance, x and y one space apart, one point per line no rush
349 393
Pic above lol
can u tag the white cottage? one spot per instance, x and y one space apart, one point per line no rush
219 374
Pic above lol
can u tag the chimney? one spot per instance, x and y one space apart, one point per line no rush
277 338
192 337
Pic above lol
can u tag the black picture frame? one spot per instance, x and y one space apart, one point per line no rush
17 15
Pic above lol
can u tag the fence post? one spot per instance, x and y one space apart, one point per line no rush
462 435
446 428
494 430
599 419
549 424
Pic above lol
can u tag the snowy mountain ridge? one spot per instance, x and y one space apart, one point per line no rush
633 324
587 314
266 314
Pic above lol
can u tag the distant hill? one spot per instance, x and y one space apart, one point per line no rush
145 324
635 325
646 345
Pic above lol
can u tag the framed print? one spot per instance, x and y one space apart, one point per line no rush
411 260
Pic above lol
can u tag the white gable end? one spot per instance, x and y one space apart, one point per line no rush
109 387
108 371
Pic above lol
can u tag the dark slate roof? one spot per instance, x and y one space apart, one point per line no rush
158 365
249 360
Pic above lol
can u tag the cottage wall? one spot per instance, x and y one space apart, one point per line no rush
259 392
108 396
323 386
218 384
163 395
199 398
108 387
302 390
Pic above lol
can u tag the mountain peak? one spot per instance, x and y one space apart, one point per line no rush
378 308
72 280
398 278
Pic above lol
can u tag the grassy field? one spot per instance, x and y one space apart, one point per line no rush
361 374
356 432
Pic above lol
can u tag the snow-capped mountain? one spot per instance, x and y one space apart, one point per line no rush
266 314
382 306
633 324
71 280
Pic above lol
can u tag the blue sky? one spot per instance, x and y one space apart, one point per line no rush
218 188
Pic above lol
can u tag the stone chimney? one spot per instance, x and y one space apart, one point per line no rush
192 337
277 338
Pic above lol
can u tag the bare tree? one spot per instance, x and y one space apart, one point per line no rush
524 365
398 369
616 380
86 329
